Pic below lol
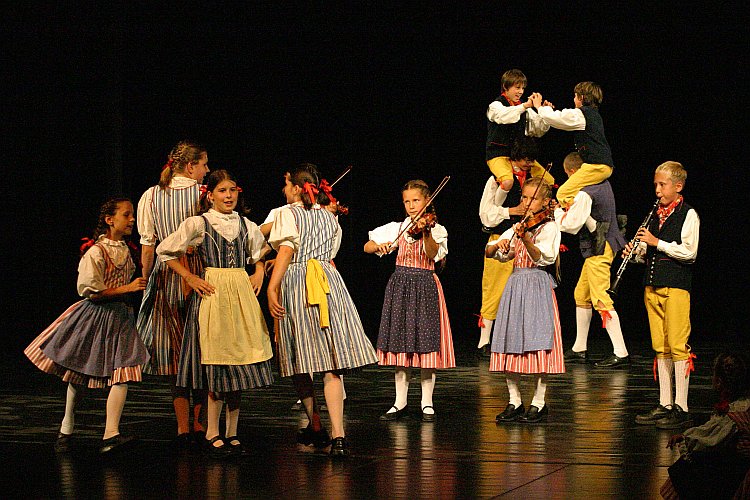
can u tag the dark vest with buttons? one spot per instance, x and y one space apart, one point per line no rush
500 137
591 143
661 269
511 200
604 213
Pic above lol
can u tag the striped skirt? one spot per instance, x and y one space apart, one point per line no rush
305 347
161 319
527 337
216 378
95 345
399 309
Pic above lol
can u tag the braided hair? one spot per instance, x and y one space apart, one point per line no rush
423 188
182 154
307 173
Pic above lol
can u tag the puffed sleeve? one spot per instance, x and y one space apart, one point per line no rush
255 243
145 218
686 251
536 126
491 211
384 234
504 257
189 234
572 220
284 230
499 113
440 235
548 243
91 272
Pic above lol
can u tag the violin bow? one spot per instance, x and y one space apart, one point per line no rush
419 214
343 174
526 212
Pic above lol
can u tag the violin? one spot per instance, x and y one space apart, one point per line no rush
531 221
425 222
340 209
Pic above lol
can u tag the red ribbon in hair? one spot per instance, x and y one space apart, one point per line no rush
239 189
203 189
327 189
311 190
87 243
168 164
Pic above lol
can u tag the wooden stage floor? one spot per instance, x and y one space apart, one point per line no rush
589 448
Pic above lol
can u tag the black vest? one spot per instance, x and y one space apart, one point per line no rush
604 213
661 269
500 137
591 143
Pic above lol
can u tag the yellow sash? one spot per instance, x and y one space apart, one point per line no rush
316 283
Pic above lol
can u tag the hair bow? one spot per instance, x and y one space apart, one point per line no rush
327 189
87 243
168 164
311 190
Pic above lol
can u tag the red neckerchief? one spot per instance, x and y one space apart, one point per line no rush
520 175
514 103
664 212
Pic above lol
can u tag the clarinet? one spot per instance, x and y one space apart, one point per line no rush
634 243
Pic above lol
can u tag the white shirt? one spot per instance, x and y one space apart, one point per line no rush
686 251
192 231
577 215
146 225
92 265
547 241
389 232
501 114
565 119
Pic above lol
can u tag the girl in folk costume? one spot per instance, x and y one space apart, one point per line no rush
527 337
161 320
319 327
415 329
226 348
94 343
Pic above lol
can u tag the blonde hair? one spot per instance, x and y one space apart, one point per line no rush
545 190
184 153
590 93
676 171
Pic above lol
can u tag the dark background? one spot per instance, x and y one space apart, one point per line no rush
95 97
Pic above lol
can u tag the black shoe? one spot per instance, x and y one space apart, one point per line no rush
428 417
394 415
238 449
572 356
183 441
510 414
677 419
534 415
307 436
613 362
339 447
115 443
652 416
64 443
218 452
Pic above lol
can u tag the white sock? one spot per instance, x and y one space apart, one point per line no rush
681 382
343 389
540 391
232 422
428 386
665 367
514 392
214 415
115 403
402 377
615 334
583 321
485 332
73 396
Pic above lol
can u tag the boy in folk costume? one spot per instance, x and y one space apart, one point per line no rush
592 216
670 246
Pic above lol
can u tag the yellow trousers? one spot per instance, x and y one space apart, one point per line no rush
668 312
594 281
494 277
502 170
588 175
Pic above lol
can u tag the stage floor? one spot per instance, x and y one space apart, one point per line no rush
589 448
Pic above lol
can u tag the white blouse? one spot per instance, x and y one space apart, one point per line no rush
577 215
192 231
547 241
389 233
284 231
565 119
93 264
501 114
146 226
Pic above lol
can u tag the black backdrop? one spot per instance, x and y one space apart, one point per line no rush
96 99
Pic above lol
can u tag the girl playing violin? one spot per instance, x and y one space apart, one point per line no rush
527 337
415 329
